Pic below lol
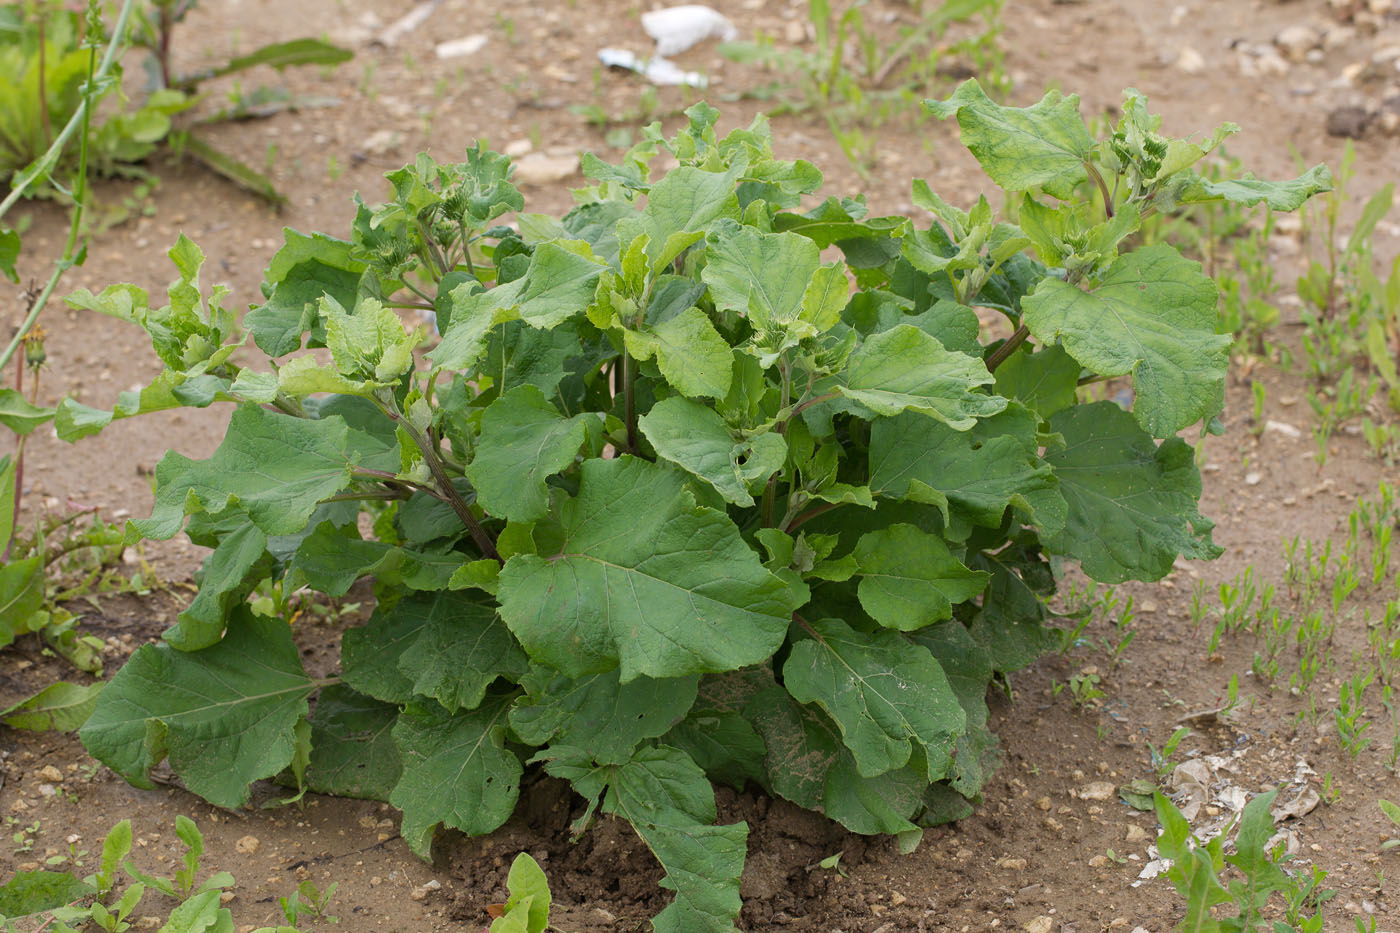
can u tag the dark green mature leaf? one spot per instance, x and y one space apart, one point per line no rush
518 354
21 597
59 707
1010 626
1132 502
229 574
18 415
968 667
885 695
457 772
444 645
723 743
645 579
225 714
524 440
694 437
910 579
980 473
904 368
598 713
669 802
1045 145
1044 381
808 764
331 558
1153 315
274 467
352 749
29 893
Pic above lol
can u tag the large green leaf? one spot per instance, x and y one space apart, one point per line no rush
1044 145
1132 501
274 467
444 645
352 747
59 707
1153 315
21 597
909 578
281 55
645 579
680 208
229 574
671 805
457 772
524 440
331 558
225 715
18 415
808 764
885 695
30 893
723 743
690 353
904 368
1044 381
968 667
1278 195
980 473
598 713
558 284
304 269
694 437
1010 626
777 280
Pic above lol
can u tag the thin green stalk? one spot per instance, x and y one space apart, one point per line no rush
449 492
1000 354
80 120
41 167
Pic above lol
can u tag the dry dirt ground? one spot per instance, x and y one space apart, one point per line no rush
1039 844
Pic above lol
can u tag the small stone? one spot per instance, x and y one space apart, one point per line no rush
1041 924
896 898
1190 61
1012 864
1054 825
226 896
47 790
1296 41
381 142
247 845
375 881
518 147
51 774
1252 479
461 48
1098 861
604 916
1097 790
794 32
423 890
1349 122
28 866
1135 834
1043 803
538 168
149 922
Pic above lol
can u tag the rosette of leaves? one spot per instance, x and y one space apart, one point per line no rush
706 480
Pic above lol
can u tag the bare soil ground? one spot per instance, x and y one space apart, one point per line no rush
1038 845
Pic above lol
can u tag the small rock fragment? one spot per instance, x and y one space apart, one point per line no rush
247 845
1097 790
538 168
1098 861
461 48
1349 122
1012 864
1041 924
1135 834
1043 803
1296 41
1252 479
1190 61
381 142
51 774
605 916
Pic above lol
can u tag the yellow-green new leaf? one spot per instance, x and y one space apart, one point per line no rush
689 351
694 437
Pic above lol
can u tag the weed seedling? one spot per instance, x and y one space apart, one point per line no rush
1392 813
1350 714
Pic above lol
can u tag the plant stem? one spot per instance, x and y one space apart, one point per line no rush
1103 187
810 514
41 166
1000 354
449 492
629 399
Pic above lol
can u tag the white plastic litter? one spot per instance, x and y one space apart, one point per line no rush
677 28
657 70
460 48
